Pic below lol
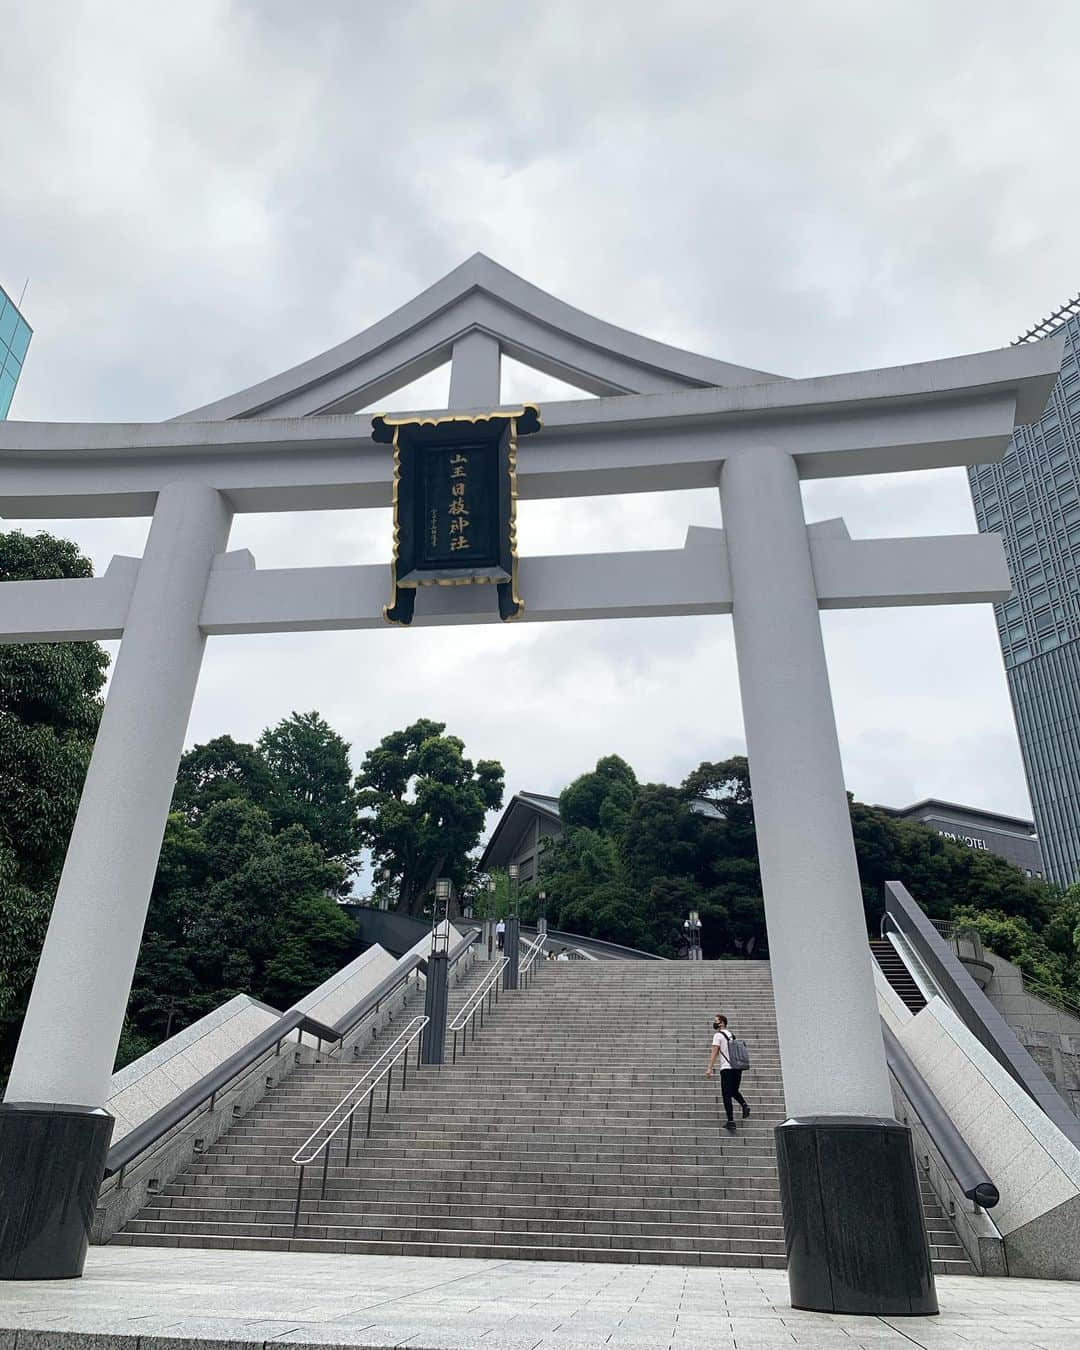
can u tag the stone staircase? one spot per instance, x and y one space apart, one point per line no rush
579 1127
896 972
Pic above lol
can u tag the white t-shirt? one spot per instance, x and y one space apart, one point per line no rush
720 1039
500 927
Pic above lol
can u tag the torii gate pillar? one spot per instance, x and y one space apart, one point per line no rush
841 1139
823 986
53 1132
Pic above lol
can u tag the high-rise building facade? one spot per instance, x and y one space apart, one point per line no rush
1032 498
15 335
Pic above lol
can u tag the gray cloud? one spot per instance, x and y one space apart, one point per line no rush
803 187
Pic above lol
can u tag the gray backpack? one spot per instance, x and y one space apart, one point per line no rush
737 1054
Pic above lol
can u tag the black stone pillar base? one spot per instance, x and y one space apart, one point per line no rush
853 1219
52 1159
433 1044
512 951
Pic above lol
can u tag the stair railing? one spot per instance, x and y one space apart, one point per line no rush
364 1091
487 991
966 1169
486 995
525 969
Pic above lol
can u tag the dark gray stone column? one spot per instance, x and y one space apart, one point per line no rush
512 951
433 1048
52 1159
853 1219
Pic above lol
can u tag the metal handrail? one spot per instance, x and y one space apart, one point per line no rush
561 936
456 953
208 1087
974 1009
220 1079
968 1172
1047 994
487 989
952 932
474 998
487 992
525 968
372 1002
382 1068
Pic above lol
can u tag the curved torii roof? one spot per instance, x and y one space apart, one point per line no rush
479 296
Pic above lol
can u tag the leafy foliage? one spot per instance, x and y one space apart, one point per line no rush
635 858
260 841
1015 939
309 766
422 807
298 774
236 908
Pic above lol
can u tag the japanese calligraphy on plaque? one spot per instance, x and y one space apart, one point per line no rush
455 501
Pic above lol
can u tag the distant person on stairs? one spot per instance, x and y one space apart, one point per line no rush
730 1079
500 933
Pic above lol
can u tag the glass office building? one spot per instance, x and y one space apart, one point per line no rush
1032 498
14 340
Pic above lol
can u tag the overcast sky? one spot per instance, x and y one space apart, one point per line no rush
204 196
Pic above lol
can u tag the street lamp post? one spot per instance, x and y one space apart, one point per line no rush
692 926
511 943
541 913
489 918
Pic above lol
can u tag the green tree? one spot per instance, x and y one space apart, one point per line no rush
1016 940
50 705
423 806
600 800
236 908
219 770
634 858
313 784
298 773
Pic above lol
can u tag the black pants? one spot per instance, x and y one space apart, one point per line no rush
729 1089
502 939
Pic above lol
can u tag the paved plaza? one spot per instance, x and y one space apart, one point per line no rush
161 1299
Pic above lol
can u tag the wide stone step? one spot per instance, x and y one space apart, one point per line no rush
475 1251
334 1214
735 1145
361 1186
522 1167
426 1228
500 1251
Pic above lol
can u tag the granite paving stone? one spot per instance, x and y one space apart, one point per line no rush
198 1299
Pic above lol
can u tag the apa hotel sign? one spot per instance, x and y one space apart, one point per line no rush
971 840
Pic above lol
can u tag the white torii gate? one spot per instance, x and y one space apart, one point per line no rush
666 419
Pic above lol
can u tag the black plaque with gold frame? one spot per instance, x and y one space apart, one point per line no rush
455 503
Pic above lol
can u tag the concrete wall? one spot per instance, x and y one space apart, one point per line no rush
1035 1167
153 1080
1050 1036
343 991
974 1226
